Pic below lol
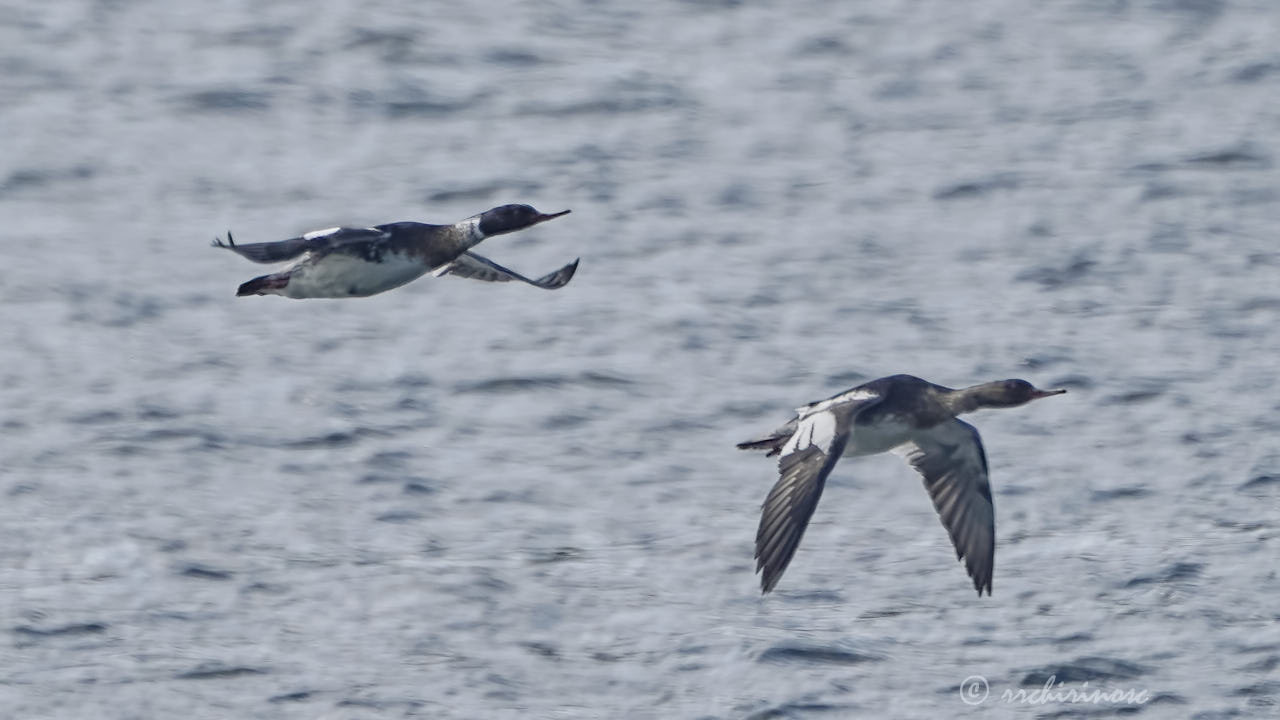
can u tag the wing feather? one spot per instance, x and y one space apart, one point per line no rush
808 447
806 461
953 464
318 241
476 267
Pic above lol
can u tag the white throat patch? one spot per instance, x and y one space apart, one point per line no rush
471 230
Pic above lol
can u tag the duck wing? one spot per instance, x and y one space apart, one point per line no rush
318 241
953 464
476 267
806 458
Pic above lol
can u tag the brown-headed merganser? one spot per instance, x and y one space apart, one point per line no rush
911 417
356 262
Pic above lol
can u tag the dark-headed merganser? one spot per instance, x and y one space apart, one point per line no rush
356 262
911 417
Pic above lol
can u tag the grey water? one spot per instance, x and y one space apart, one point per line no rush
469 500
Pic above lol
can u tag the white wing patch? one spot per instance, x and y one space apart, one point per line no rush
851 396
818 428
320 233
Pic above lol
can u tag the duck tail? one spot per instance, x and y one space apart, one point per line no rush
773 444
264 285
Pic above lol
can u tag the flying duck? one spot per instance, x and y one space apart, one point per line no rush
356 262
911 417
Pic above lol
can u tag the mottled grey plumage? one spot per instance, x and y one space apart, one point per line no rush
908 416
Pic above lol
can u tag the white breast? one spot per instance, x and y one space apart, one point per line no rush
338 275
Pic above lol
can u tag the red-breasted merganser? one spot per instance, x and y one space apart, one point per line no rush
356 262
911 417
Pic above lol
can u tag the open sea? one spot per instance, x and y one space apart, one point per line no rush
469 500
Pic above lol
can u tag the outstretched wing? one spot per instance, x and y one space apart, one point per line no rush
471 265
951 460
806 460
320 240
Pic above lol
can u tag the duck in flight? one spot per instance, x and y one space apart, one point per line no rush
911 417
356 262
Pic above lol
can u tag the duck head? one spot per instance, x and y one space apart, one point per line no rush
509 218
1009 393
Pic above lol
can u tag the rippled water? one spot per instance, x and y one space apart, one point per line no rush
466 500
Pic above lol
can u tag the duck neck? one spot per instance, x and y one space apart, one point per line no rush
966 400
469 232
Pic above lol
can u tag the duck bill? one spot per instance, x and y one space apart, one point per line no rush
1045 393
543 217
